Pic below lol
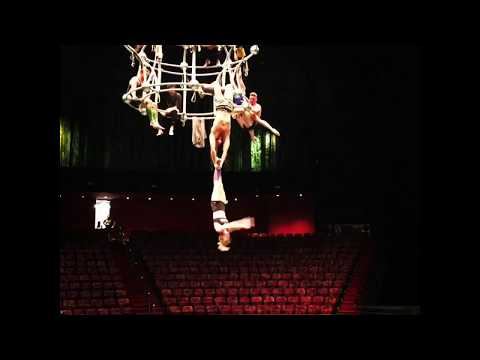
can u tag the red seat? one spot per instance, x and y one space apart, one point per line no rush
232 292
220 300
326 309
288 291
184 300
198 292
173 309
91 312
199 309
280 299
167 292
187 292
78 311
277 291
255 291
237 309
171 300
313 309
244 299
103 311
250 309
72 294
209 292
127 311
121 293
244 292
300 291
187 309
292 299
84 303
232 300
68 304
221 292
211 309
207 300
276 309
317 299
288 309
195 300
249 283
110 302
268 299
300 309
322 291
124 301
257 299
272 283
334 291
225 309
97 303
305 299
178 292
66 312
311 291
265 291
331 300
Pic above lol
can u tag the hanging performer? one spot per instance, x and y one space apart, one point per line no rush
248 112
221 224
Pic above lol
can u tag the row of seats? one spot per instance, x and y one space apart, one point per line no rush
88 303
251 309
90 271
99 311
90 277
253 276
249 283
334 291
86 294
221 300
108 285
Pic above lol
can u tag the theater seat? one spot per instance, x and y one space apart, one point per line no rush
173 309
188 309
225 309
199 309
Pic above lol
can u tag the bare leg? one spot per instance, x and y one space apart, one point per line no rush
240 83
266 125
218 193
242 224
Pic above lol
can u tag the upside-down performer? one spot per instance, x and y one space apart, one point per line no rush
150 108
220 222
220 131
137 81
248 112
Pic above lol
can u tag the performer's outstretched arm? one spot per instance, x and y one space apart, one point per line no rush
213 148
226 146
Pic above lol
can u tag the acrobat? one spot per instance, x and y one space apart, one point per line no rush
222 226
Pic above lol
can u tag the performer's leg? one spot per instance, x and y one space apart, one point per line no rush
240 84
242 224
266 125
218 192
